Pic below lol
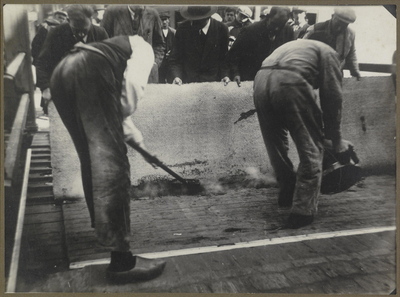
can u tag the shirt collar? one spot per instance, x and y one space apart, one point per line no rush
132 13
165 31
206 27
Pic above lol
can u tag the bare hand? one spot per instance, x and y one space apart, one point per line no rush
237 80
177 81
225 80
46 95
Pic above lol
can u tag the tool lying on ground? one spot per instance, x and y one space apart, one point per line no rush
192 185
340 171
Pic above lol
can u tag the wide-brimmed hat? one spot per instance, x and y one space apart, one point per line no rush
345 14
197 12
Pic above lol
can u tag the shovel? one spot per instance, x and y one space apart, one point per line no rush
192 185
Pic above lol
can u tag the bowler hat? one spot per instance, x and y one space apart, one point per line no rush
197 12
345 14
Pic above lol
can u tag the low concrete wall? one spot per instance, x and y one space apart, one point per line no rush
192 130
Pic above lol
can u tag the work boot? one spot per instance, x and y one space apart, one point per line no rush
296 220
125 268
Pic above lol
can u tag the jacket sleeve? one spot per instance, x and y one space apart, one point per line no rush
158 40
224 41
48 58
136 74
108 22
237 50
177 55
331 95
351 60
37 43
102 34
309 32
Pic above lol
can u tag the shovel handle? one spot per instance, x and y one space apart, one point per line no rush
157 162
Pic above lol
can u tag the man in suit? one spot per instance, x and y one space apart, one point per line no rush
61 40
201 45
169 38
242 19
137 20
256 42
335 32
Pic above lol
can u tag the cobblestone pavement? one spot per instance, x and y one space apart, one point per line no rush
324 257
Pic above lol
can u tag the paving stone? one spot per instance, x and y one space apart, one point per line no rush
305 275
373 265
342 285
339 268
311 261
265 282
377 283
315 288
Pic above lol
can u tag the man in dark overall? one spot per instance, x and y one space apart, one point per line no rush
285 101
95 90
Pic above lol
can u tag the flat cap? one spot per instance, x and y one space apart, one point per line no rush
164 14
245 10
345 14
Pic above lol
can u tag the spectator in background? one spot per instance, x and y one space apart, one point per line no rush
61 40
335 33
242 19
59 17
302 26
137 20
98 14
200 48
286 103
256 42
294 20
229 14
264 13
169 37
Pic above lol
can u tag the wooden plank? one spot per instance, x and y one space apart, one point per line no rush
39 218
15 65
15 141
43 209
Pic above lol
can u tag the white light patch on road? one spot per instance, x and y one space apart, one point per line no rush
241 245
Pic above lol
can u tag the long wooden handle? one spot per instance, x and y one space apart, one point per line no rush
157 162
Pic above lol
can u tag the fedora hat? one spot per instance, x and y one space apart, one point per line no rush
194 13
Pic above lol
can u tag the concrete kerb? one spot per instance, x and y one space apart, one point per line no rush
192 129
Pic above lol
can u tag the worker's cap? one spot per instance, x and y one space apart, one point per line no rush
98 7
345 14
265 12
245 10
61 12
298 9
194 13
164 15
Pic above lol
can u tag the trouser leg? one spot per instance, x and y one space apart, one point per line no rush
303 119
89 86
275 135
